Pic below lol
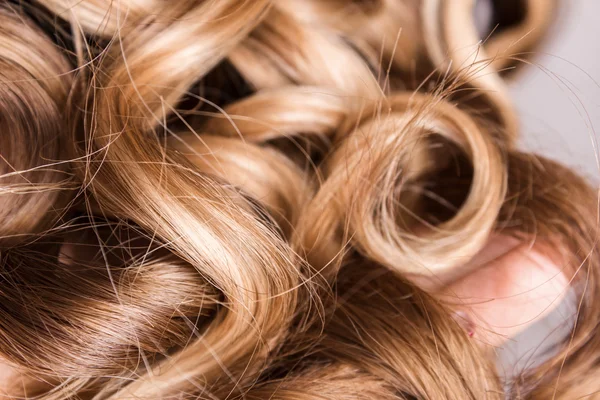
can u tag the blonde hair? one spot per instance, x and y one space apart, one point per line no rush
236 199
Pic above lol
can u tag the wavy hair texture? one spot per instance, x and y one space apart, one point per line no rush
260 199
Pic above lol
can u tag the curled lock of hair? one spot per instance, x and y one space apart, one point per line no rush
34 86
364 191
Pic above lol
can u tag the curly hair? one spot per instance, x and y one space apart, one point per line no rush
267 199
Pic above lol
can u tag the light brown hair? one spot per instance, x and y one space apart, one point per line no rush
260 199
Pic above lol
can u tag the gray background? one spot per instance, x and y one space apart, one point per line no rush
559 100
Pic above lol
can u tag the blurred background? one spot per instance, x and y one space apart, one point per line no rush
559 100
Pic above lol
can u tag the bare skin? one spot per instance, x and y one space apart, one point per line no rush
12 382
507 293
